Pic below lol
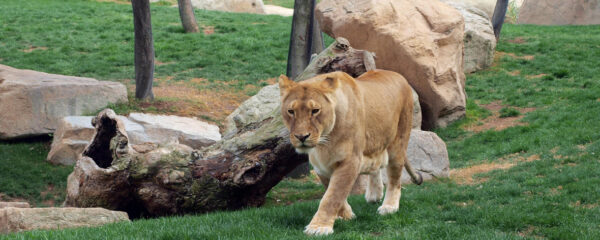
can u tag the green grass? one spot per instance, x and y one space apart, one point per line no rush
555 197
25 174
93 39
509 112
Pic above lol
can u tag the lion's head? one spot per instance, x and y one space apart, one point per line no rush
308 110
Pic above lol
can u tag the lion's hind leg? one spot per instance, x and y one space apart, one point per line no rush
374 192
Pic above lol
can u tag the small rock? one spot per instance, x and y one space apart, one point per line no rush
25 219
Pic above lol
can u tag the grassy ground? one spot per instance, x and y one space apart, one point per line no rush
525 160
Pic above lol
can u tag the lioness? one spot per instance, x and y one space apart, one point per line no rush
349 127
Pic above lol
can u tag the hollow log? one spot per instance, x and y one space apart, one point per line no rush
150 180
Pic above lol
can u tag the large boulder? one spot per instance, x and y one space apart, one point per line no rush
25 219
76 132
479 39
422 40
32 103
560 12
242 6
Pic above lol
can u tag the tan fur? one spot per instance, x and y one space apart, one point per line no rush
352 126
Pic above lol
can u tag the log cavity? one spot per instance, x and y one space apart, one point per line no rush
99 149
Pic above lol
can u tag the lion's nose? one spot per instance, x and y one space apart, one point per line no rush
302 137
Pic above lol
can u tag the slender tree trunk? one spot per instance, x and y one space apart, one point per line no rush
186 13
498 17
144 49
301 37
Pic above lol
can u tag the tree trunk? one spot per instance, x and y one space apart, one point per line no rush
498 17
301 37
147 180
186 13
144 49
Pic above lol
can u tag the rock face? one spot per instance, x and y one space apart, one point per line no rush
422 40
76 132
24 219
479 39
242 6
560 12
32 103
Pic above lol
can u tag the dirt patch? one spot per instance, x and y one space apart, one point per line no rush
517 40
495 122
34 48
116 1
208 30
515 73
465 175
527 233
578 204
159 63
536 76
499 55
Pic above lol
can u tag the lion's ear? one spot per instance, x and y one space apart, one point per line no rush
330 83
285 84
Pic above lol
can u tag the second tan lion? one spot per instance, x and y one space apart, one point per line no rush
349 127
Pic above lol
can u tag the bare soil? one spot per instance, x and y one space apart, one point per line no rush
495 122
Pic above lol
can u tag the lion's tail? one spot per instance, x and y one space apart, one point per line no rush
416 178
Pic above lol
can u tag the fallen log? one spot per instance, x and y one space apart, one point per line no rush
148 180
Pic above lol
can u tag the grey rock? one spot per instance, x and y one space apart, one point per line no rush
32 103
187 131
427 154
480 42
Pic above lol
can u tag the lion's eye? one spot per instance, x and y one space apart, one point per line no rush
315 111
291 111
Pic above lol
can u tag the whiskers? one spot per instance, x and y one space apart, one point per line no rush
323 140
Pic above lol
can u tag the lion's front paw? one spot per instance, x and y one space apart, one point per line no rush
318 230
384 209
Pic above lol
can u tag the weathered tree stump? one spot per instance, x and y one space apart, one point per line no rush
148 180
